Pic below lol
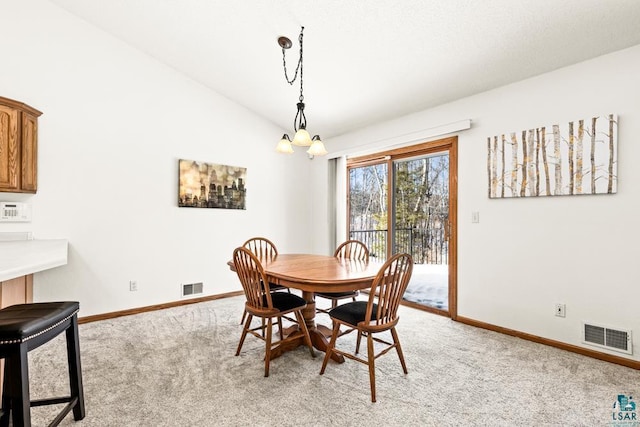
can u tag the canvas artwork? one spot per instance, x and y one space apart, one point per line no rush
578 157
209 185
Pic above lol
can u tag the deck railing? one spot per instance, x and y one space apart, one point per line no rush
426 246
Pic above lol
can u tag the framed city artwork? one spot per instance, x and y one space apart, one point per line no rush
211 185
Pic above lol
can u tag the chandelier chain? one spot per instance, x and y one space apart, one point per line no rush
298 67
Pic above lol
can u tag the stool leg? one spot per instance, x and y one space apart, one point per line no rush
75 369
6 400
17 367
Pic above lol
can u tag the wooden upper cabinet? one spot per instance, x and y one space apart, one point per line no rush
9 152
29 152
18 147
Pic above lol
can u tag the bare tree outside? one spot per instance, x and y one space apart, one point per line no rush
417 222
422 208
368 207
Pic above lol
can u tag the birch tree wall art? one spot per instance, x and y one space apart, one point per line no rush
579 157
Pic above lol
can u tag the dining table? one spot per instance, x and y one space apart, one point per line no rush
312 273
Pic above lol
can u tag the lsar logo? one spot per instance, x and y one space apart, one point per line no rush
624 411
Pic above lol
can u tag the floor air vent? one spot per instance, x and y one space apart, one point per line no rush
189 289
612 339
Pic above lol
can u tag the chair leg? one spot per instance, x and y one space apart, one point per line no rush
372 368
396 341
75 369
267 356
334 303
244 315
330 347
280 328
305 331
247 324
358 341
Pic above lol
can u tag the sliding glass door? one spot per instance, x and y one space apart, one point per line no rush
368 206
420 225
404 201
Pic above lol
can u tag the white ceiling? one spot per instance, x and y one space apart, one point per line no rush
364 61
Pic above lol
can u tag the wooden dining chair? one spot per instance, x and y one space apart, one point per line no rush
267 305
351 249
378 314
263 248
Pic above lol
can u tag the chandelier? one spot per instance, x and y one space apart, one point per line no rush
301 137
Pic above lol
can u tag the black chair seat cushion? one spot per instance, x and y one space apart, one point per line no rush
352 312
346 294
285 301
22 321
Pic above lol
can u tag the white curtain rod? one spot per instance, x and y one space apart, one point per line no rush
403 140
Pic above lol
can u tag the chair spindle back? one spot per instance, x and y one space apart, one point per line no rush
252 277
389 286
352 249
261 247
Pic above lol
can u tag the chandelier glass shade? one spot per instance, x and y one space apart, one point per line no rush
302 138
284 146
317 147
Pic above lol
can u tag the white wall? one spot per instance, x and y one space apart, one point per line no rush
526 255
115 124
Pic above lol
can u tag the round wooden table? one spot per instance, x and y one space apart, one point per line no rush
316 273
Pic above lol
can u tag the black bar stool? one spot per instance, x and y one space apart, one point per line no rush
24 327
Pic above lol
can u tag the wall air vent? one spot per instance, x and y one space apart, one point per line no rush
605 337
189 289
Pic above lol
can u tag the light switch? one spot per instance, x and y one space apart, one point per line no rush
475 217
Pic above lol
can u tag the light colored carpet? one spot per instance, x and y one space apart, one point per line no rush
176 367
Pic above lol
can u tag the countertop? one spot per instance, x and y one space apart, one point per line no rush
22 257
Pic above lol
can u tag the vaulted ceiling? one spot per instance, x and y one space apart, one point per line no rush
364 61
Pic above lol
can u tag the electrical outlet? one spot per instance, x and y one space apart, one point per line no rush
561 310
133 285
